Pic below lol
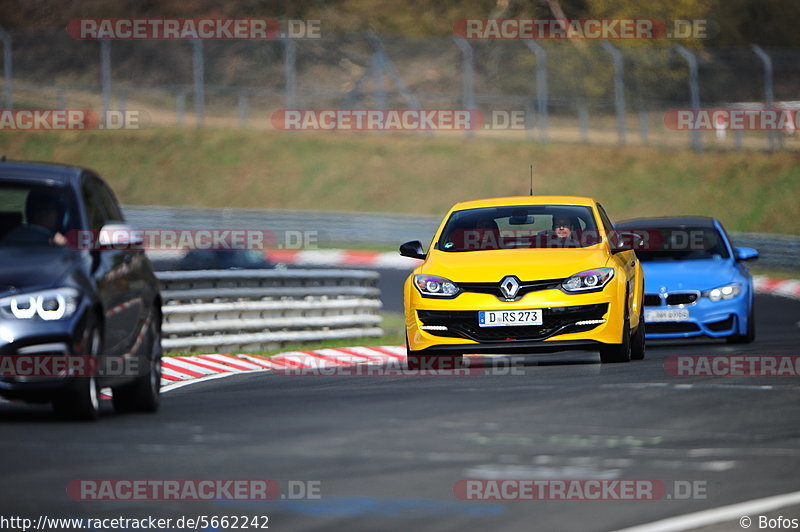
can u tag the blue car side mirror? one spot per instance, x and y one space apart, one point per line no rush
743 254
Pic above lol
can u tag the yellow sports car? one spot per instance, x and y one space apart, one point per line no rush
524 274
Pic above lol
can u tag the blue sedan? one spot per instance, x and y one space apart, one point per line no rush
696 283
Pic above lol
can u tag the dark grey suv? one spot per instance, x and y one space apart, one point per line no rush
79 311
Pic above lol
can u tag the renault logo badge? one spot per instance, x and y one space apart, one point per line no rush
509 287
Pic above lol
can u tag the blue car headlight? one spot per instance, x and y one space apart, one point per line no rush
729 291
47 305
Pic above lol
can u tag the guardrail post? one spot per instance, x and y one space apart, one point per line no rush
467 77
694 92
199 81
619 89
7 78
772 136
290 68
541 88
105 74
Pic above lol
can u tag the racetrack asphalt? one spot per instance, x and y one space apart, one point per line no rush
387 451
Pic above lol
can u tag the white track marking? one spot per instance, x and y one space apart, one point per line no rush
719 515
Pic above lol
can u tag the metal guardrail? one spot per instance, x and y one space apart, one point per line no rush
778 251
361 228
251 310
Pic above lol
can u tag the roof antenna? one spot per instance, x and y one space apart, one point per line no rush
531 180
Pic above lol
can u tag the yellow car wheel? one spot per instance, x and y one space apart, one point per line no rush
613 353
637 341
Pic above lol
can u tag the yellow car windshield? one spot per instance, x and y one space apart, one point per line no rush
519 226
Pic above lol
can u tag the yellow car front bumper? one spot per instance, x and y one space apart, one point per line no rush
557 332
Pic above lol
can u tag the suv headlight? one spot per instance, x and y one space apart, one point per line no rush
48 305
588 280
435 286
729 291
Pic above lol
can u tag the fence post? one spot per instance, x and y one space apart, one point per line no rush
541 88
290 67
122 101
619 89
7 79
199 82
377 79
467 77
644 126
105 74
583 121
694 92
180 106
61 98
772 136
243 111
389 69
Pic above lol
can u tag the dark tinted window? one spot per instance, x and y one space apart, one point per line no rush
94 210
680 243
109 202
33 214
523 226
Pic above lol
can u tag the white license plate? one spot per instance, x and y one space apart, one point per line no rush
666 315
506 318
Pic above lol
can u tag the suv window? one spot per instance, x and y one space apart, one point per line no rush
109 202
94 211
32 214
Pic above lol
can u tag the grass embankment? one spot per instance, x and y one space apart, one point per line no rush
748 191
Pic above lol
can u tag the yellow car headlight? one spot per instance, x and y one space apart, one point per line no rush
583 281
435 286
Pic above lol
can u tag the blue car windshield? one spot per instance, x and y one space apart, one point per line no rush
32 215
680 243
519 226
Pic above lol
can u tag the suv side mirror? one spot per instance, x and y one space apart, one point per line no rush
743 254
119 236
413 249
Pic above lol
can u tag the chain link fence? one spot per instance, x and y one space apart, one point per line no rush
578 91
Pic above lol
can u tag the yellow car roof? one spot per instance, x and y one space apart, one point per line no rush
524 200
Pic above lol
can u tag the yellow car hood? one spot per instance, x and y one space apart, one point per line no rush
526 264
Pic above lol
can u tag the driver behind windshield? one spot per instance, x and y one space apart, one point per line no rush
563 227
42 213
